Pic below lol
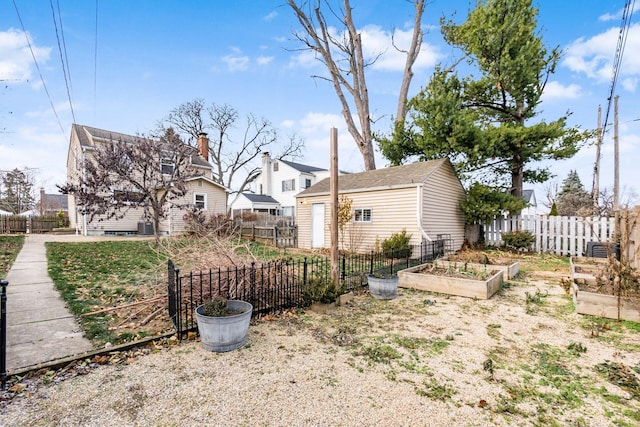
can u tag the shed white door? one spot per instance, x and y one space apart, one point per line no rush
317 225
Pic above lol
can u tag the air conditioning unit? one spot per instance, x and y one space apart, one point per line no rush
145 228
600 250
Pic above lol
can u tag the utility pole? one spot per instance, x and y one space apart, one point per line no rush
333 188
595 188
616 166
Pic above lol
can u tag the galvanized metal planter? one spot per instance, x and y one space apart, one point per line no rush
221 334
383 288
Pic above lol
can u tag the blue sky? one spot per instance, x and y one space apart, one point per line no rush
154 55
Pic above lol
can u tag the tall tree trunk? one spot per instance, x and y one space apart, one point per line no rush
412 55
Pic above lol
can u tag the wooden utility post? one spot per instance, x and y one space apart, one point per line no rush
335 262
616 166
595 189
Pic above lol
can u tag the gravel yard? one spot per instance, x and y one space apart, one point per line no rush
521 358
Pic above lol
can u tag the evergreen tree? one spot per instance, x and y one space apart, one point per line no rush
18 191
484 121
573 199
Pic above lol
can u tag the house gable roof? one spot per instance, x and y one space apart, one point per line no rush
87 136
260 198
302 168
54 202
210 181
529 196
386 178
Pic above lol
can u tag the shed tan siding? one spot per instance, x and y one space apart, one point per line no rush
442 194
391 211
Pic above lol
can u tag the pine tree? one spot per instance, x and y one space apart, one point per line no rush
573 199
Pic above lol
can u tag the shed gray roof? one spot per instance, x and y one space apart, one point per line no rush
260 198
302 168
87 134
393 176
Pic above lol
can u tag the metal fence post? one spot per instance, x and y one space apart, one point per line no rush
3 333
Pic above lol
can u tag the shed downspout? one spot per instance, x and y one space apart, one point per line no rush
84 214
419 212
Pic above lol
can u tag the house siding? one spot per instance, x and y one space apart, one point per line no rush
441 214
216 205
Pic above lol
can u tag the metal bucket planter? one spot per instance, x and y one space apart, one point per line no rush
227 333
383 288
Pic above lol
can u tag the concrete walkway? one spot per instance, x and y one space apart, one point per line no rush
40 328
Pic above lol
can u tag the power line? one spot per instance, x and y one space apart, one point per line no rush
617 61
38 68
62 61
95 66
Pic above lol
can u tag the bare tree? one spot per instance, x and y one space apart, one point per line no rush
231 155
342 54
121 176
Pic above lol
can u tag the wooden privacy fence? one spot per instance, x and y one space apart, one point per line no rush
562 235
281 237
34 224
13 224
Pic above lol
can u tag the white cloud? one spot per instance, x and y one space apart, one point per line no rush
236 61
555 90
270 16
264 60
16 61
630 84
594 56
610 17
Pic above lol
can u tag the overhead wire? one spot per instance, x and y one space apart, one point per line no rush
617 61
24 31
95 66
67 77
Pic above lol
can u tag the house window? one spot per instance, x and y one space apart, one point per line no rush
289 185
362 215
287 211
275 166
306 183
127 197
167 165
200 201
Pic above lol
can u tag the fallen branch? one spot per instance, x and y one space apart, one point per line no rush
151 316
105 310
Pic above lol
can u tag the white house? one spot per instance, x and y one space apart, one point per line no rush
279 181
529 196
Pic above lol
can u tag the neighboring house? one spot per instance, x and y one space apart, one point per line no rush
254 203
529 196
51 204
282 181
423 198
203 193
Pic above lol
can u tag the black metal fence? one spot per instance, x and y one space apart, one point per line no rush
281 284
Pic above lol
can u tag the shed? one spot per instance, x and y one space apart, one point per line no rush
422 198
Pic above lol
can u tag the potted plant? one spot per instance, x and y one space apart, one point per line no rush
223 324
383 286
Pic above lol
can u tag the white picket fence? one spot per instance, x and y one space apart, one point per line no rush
562 235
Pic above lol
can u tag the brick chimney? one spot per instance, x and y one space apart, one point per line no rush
203 145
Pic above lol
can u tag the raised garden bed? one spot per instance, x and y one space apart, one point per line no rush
427 277
590 297
509 267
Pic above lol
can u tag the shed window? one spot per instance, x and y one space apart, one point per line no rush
275 166
362 215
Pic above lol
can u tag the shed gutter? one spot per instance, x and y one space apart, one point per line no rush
419 212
